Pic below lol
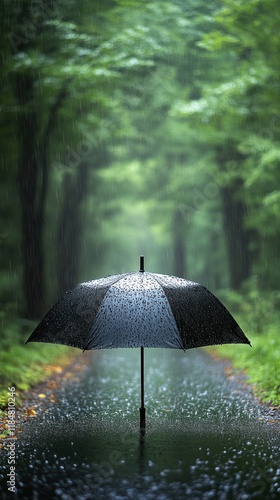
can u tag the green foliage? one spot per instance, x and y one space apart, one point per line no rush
24 366
163 84
237 110
260 364
257 308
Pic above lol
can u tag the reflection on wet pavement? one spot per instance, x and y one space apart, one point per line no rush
206 436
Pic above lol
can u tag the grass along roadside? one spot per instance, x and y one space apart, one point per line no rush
23 366
261 363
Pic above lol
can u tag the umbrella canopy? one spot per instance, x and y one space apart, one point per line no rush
139 309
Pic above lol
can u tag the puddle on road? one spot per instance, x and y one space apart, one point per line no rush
203 435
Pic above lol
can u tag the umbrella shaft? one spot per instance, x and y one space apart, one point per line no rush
142 409
142 377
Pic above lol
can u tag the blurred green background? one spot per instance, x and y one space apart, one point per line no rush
135 127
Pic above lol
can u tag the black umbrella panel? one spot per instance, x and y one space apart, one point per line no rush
139 309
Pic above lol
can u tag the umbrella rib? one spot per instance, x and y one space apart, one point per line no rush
152 275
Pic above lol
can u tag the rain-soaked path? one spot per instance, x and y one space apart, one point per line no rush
206 437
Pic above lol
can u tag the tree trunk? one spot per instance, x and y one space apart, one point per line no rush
33 185
32 217
237 237
70 229
179 247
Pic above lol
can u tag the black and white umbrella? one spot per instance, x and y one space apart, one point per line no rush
139 309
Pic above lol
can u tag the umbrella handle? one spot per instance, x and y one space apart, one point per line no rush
142 409
141 264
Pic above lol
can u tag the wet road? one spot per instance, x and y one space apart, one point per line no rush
206 437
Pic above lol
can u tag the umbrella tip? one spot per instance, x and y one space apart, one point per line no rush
141 263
